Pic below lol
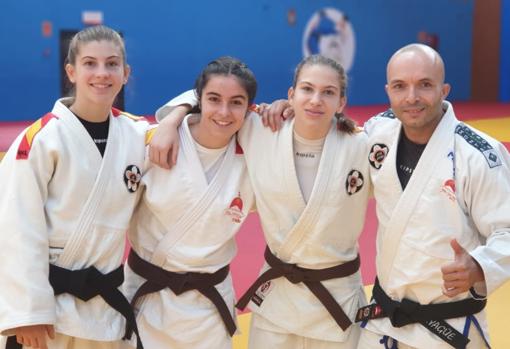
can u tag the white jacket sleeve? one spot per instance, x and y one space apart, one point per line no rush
26 296
372 123
189 97
488 197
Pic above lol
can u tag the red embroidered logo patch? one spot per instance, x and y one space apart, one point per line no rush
448 188
235 210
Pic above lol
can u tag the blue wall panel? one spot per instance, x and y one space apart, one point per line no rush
168 42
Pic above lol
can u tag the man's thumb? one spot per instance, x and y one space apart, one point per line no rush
457 248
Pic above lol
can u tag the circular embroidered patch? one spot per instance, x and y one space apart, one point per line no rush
354 182
132 177
377 155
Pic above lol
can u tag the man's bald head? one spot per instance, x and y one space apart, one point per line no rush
421 53
416 90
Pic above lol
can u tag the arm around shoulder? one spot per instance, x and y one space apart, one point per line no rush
187 99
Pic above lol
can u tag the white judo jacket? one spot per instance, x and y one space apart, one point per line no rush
63 203
459 189
318 234
184 224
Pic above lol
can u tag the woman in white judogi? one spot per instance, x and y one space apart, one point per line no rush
311 186
69 188
182 233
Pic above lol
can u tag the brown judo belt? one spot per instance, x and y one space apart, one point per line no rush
158 279
311 278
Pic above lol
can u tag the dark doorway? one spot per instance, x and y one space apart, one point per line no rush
486 44
65 85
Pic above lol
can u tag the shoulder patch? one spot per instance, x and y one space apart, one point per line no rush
388 114
28 138
479 143
149 134
117 112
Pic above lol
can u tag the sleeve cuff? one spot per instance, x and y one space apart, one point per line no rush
187 97
479 291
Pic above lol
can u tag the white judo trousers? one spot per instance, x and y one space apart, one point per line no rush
459 189
372 340
65 204
185 224
263 339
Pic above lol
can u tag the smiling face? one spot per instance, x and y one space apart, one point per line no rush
98 74
316 98
416 91
224 104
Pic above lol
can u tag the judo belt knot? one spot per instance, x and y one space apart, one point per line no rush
311 278
293 273
88 283
84 284
159 279
183 282
402 313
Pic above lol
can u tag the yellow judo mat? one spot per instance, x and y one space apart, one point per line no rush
498 128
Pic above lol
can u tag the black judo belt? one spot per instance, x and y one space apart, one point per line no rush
12 343
431 316
311 278
86 284
158 279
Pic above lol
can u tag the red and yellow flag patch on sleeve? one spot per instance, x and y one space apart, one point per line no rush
28 138
117 112
149 134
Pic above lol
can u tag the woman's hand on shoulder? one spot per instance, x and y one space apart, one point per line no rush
164 145
274 114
